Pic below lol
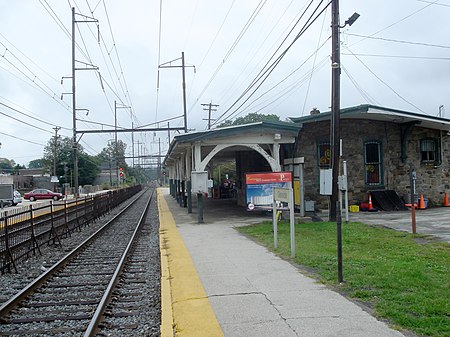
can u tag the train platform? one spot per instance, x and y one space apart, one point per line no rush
217 282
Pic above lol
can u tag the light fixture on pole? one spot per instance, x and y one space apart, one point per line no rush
335 214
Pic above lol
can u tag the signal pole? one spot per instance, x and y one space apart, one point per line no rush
209 109
57 128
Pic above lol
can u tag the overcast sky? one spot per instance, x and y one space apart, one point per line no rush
397 55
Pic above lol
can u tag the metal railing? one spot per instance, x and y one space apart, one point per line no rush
24 230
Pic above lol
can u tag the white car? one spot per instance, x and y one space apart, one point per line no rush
17 199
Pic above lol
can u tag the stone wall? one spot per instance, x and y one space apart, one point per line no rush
432 179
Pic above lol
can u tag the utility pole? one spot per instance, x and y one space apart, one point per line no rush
159 160
335 106
183 66
118 106
335 211
168 131
74 107
209 109
55 143
132 141
74 112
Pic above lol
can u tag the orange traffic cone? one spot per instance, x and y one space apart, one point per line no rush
421 202
445 202
371 208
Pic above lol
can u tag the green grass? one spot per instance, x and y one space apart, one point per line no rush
405 278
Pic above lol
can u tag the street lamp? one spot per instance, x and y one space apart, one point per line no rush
335 214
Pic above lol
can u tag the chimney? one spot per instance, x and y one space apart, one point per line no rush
314 111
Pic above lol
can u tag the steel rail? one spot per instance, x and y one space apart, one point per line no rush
31 287
98 315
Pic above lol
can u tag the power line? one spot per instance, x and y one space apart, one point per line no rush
362 92
401 56
400 41
24 140
386 84
266 71
313 65
276 42
398 21
233 46
34 79
18 120
27 115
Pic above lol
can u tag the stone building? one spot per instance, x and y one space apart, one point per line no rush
380 146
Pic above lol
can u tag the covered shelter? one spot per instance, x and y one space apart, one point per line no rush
255 147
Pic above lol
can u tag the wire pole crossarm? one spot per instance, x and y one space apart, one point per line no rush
183 66
210 109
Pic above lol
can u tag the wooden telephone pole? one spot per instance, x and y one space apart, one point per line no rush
210 108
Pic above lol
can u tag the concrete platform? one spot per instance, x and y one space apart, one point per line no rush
252 292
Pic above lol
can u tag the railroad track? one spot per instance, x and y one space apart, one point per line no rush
109 285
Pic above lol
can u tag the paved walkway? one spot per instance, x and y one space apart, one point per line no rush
252 292
430 221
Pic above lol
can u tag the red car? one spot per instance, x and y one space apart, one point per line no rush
42 193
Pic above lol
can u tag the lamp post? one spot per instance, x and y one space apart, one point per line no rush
335 214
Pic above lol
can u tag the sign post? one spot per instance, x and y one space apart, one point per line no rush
284 195
413 177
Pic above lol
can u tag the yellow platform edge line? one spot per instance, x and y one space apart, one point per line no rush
185 308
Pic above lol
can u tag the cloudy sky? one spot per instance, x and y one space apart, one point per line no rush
265 56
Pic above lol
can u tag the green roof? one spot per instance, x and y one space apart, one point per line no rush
373 112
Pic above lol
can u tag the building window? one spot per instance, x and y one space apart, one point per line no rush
373 163
428 150
324 155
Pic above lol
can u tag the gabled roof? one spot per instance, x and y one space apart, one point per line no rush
264 127
373 112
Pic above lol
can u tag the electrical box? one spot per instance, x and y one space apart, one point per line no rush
326 181
342 183
199 181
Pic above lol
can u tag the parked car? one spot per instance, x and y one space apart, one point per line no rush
42 193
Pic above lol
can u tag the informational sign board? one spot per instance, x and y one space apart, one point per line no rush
199 181
259 188
285 195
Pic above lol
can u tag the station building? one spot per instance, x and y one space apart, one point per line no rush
381 147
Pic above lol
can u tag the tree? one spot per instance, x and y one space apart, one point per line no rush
114 153
59 151
252 117
6 165
36 163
